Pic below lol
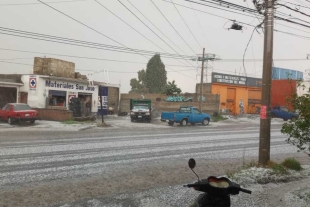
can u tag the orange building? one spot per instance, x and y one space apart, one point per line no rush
233 89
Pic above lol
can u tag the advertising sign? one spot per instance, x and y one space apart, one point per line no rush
32 82
236 80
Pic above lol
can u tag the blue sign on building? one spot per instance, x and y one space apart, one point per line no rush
282 73
104 93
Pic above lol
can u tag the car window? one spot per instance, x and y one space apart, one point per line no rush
185 110
140 107
196 111
285 109
5 106
21 107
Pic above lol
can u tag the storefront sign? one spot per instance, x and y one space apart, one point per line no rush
236 80
32 82
70 97
79 87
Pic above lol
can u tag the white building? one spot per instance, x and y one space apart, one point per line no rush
54 92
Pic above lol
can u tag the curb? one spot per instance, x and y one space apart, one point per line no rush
84 128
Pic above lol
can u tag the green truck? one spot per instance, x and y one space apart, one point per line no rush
140 109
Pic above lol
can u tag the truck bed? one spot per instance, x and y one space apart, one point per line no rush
167 116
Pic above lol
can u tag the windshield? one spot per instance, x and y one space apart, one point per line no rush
21 107
141 107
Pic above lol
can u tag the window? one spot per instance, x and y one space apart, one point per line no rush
5 106
57 98
21 107
196 111
185 110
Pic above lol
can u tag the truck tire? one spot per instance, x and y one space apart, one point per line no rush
183 122
171 123
205 122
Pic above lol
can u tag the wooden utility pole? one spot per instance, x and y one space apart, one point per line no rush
201 80
100 91
264 134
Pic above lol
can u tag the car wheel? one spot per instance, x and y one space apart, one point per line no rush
183 122
293 119
32 122
10 121
171 123
205 122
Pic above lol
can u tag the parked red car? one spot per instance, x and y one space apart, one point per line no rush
12 112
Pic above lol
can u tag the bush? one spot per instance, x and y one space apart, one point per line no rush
217 118
277 168
292 164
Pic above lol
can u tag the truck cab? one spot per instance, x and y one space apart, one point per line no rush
140 110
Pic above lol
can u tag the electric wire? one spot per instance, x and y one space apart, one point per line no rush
50 2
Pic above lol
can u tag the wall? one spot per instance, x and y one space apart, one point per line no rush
211 104
301 91
280 90
54 114
206 88
113 98
37 98
240 93
48 66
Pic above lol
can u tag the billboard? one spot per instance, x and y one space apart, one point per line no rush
236 80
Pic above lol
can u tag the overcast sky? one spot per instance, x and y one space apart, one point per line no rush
212 35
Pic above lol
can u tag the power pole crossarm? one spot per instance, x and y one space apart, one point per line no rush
265 119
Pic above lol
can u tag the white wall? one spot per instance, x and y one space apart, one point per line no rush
37 98
301 91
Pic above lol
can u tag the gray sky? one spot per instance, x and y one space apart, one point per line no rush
227 44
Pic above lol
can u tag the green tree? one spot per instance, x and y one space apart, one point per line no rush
138 86
299 131
171 88
156 75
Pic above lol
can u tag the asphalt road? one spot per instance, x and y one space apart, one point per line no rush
37 167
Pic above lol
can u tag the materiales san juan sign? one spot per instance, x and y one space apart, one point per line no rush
236 80
79 87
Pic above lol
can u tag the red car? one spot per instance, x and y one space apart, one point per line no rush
12 112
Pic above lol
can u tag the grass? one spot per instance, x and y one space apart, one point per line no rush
77 122
217 118
231 173
292 164
277 168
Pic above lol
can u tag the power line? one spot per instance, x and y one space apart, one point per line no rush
155 26
50 2
186 24
83 57
80 69
94 29
173 27
145 25
295 10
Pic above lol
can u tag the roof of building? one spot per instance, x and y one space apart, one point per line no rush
11 78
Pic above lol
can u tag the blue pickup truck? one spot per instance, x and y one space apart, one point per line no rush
284 113
185 115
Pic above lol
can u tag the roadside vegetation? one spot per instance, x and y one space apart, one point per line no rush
272 168
216 117
71 121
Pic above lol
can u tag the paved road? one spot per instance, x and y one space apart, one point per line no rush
36 159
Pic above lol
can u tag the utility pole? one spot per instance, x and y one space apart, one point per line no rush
201 79
264 134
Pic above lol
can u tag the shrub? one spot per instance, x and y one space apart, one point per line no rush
292 164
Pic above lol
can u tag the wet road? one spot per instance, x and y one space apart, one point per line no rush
45 157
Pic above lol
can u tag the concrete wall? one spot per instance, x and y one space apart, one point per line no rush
54 114
206 88
211 104
113 98
56 67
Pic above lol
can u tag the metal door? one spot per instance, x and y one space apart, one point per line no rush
231 100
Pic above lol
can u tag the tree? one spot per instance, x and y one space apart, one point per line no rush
156 75
171 88
299 131
138 86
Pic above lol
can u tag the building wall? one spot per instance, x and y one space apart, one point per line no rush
211 104
37 98
302 91
206 88
113 98
280 90
56 67
230 96
54 114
